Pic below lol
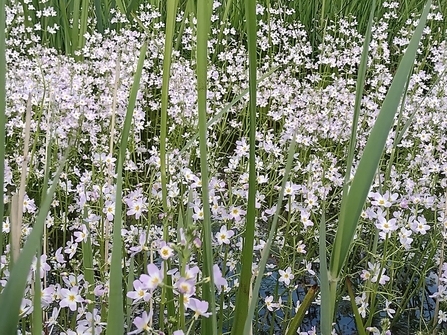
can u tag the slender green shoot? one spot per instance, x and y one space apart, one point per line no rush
12 294
299 316
245 285
326 319
2 115
352 202
358 318
170 25
115 320
209 325
271 237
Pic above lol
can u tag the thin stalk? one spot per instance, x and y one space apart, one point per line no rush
98 12
16 219
130 280
358 318
84 23
74 38
106 225
37 303
299 316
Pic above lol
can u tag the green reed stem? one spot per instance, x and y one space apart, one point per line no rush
37 302
170 25
243 293
358 318
2 115
209 325
353 201
271 237
115 319
12 294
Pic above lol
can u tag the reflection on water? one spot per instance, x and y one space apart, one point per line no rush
420 310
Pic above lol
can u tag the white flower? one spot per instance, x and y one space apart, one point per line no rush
224 235
286 276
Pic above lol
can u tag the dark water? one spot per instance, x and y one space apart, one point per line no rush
407 324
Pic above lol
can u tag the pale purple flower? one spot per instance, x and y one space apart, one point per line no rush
139 293
165 251
199 307
153 279
142 323
269 303
219 280
185 286
70 298
109 209
81 236
385 225
236 213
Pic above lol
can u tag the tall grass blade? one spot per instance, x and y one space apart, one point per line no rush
2 114
325 309
37 302
271 237
204 7
17 199
169 35
245 287
299 316
372 153
12 294
115 319
98 12
353 201
358 318
74 38
84 23
329 284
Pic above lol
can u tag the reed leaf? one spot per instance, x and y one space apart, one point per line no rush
271 237
354 199
355 309
169 35
327 282
245 284
2 115
299 316
83 23
99 18
204 7
12 294
74 38
37 302
115 319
